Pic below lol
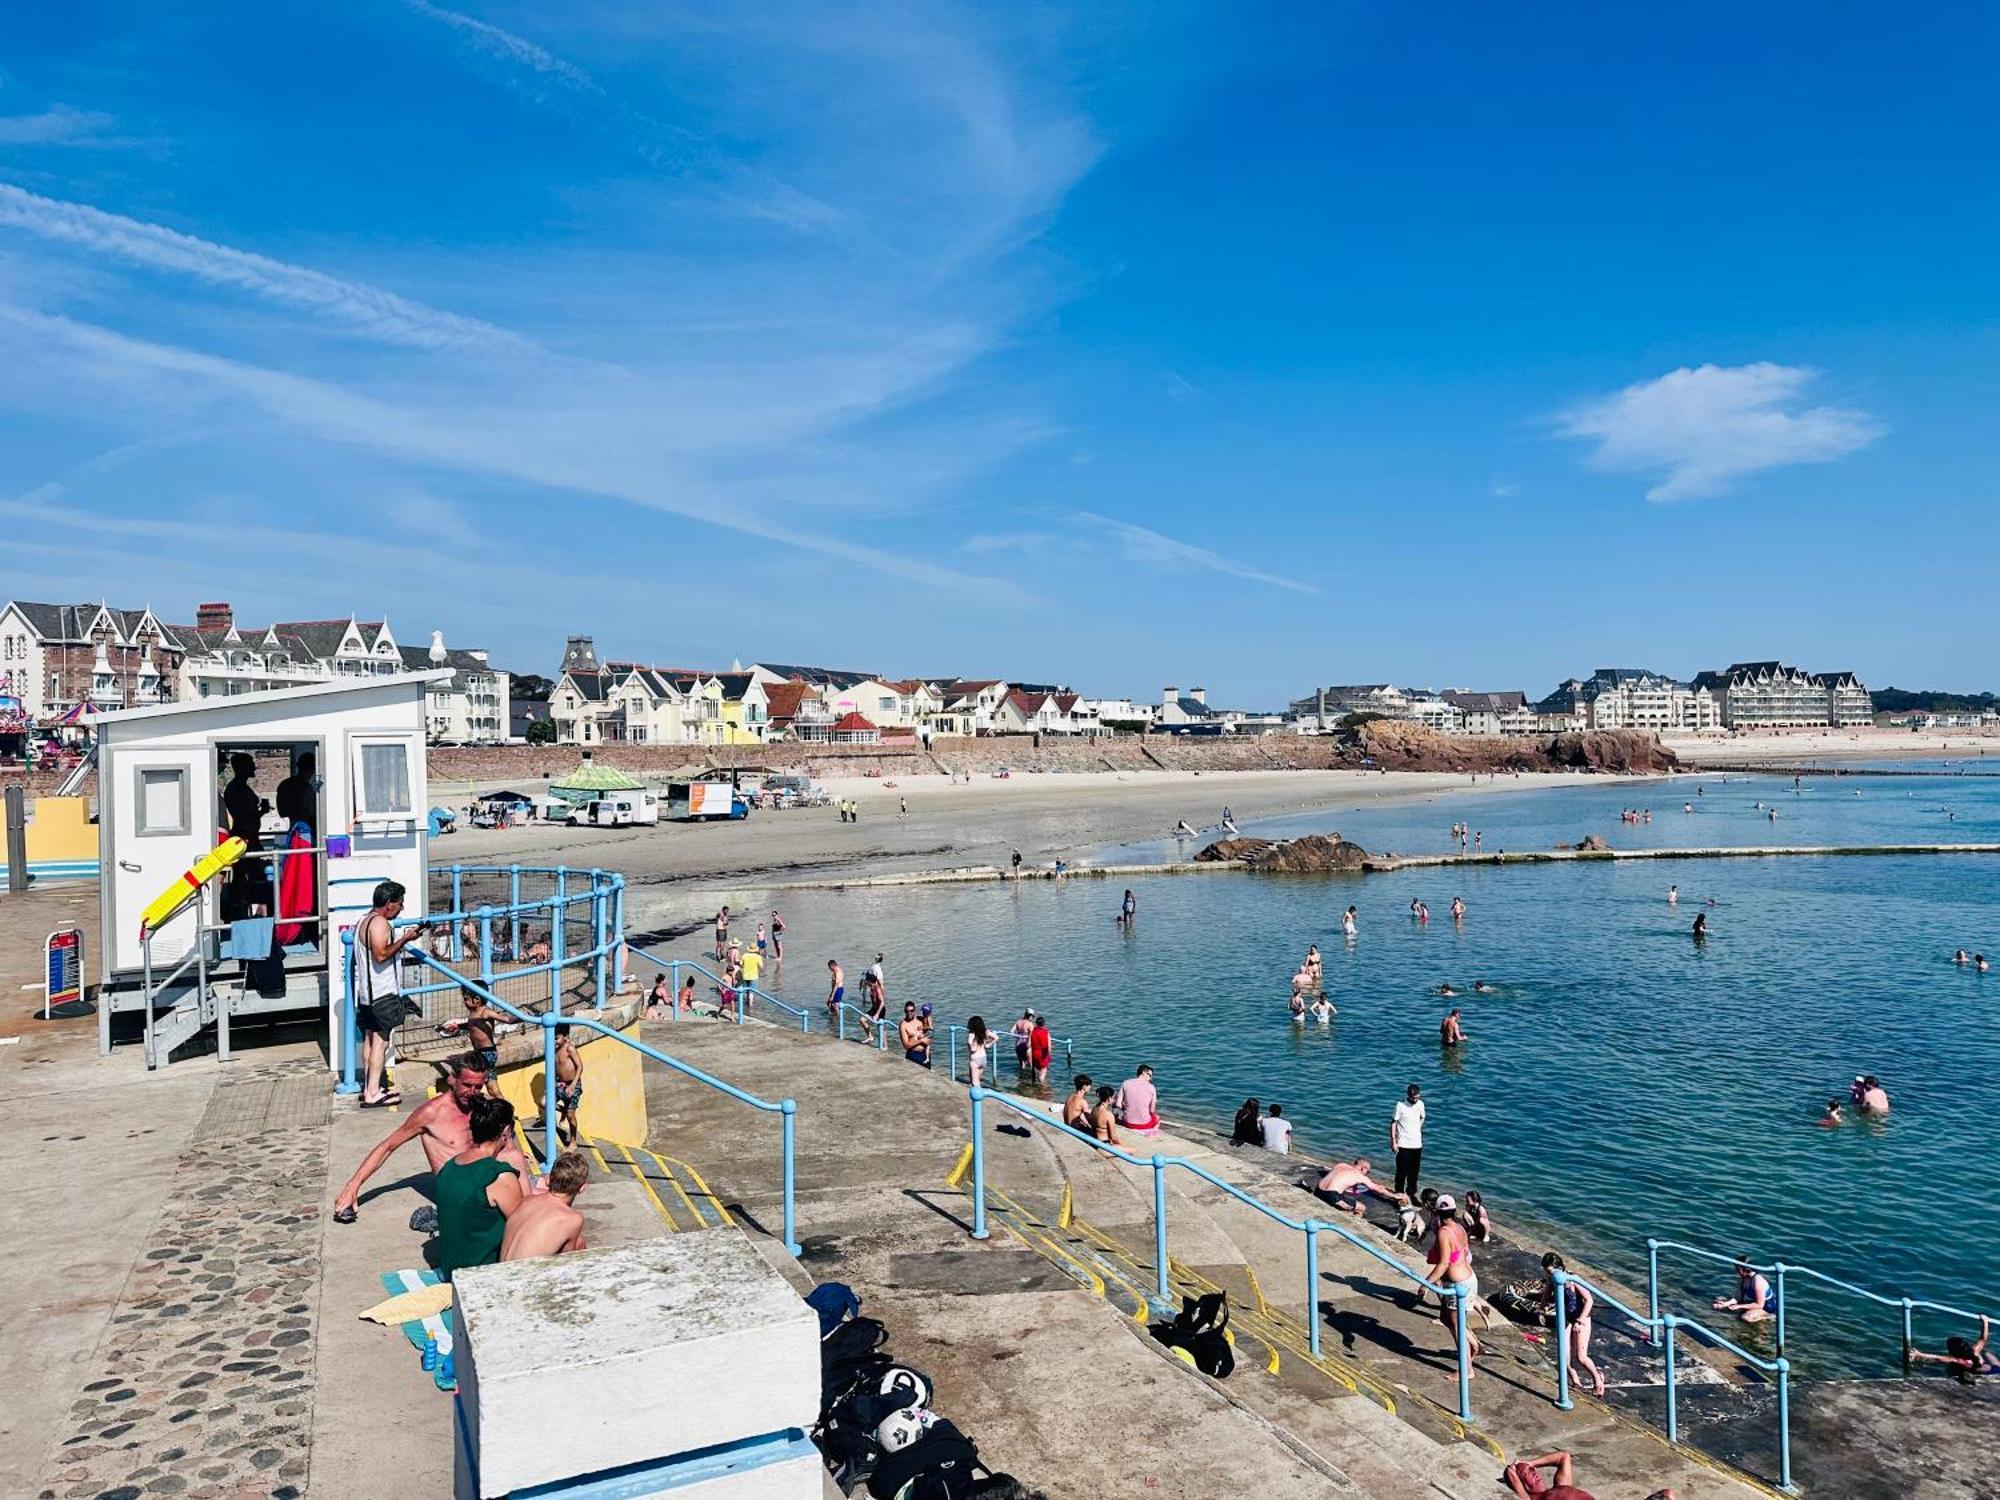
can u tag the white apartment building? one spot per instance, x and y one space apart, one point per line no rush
1634 698
1772 695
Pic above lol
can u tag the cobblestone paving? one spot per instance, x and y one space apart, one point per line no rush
206 1383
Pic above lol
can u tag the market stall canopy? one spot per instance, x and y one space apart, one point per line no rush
590 780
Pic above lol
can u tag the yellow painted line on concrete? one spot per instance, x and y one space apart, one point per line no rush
1067 1211
676 1167
958 1172
659 1205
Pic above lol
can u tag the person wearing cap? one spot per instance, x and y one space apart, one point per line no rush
1450 1262
915 1038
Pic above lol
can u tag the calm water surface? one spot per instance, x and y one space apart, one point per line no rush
1621 1082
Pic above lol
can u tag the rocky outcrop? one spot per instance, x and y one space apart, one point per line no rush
1316 853
1395 745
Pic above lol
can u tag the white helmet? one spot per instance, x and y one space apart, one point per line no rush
901 1429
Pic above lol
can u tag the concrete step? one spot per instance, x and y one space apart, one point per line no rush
680 1196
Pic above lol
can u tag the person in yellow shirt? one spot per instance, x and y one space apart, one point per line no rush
752 964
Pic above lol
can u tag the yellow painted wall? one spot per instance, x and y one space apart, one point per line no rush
614 1085
59 829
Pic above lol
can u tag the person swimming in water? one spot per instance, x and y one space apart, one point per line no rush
1446 990
1450 1033
1322 1010
1458 908
1833 1116
1481 987
1673 895
1961 957
1700 926
1298 1006
1869 1097
1347 922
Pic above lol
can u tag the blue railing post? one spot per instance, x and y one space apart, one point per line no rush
1784 1423
1160 1222
558 945
1653 1289
514 911
1908 1342
350 1024
840 1020
1564 1401
979 1164
1673 1408
550 1140
1464 1295
457 906
618 934
486 946
1779 1269
674 978
951 1053
790 1108
1312 1284
882 1036
597 946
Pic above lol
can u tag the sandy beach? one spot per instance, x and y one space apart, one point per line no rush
950 825
1794 748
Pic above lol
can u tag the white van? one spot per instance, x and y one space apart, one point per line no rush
617 810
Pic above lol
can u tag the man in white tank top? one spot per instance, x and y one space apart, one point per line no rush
379 1005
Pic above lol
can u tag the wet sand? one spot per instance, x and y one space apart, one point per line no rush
1045 816
1799 747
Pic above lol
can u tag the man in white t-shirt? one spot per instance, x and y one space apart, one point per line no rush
1276 1131
1406 1139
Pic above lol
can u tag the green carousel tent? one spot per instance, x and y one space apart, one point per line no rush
590 780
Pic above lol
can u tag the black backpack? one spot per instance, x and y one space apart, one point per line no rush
1200 1329
942 1465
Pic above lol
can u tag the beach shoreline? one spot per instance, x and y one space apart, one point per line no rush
1796 747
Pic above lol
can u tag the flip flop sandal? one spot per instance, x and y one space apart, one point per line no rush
344 1216
385 1102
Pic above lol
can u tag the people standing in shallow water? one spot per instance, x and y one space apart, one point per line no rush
1458 908
1700 926
1868 1095
1128 908
1450 1032
1348 923
1322 1009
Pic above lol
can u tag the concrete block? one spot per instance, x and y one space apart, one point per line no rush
608 1358
785 1467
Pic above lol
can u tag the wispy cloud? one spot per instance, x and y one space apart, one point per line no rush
1146 546
363 309
61 125
1709 427
1009 541
506 46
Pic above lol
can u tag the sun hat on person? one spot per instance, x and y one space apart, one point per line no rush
1446 1203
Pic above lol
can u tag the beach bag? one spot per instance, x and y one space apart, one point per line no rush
1201 1328
942 1465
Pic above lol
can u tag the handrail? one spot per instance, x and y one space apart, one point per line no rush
1780 1271
1667 1326
551 1021
674 966
953 1031
1311 1228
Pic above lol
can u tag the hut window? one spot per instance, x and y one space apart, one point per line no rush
385 779
163 801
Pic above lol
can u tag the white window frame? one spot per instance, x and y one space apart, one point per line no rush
357 747
143 829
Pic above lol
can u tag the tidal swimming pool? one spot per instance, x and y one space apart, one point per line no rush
1620 1081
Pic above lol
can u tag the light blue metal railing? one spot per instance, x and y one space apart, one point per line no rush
553 1020
1665 1328
1780 1274
999 1042
603 896
1311 1228
744 992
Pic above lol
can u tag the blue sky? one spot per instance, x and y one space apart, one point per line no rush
1257 346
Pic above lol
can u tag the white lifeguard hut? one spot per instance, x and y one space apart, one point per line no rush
252 940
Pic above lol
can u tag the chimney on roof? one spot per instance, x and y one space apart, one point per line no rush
218 616
1200 695
1170 695
438 654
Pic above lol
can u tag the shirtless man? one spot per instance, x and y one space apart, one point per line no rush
915 1040
443 1124
548 1224
1450 1033
836 988
1345 1183
1076 1108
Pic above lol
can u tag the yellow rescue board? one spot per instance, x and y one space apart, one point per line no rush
177 895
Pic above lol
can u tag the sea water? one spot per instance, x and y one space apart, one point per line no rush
1620 1081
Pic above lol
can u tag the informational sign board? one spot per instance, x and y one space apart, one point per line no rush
64 951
